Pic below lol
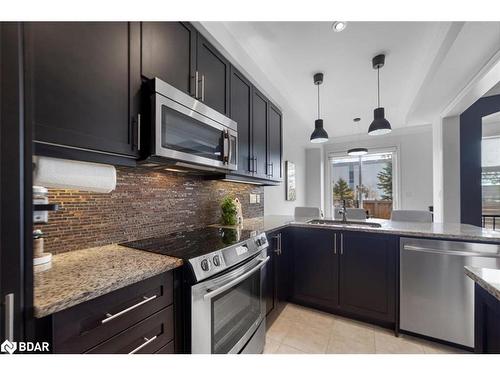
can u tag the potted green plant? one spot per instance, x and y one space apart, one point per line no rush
229 211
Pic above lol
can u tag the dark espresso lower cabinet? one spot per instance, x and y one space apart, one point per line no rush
138 318
315 267
277 281
487 322
367 278
346 272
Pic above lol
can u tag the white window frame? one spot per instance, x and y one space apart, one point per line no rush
396 173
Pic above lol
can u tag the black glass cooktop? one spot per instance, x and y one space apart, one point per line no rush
191 244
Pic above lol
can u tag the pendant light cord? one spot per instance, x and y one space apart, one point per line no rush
318 101
378 87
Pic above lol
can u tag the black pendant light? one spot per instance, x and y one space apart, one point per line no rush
379 125
319 135
357 151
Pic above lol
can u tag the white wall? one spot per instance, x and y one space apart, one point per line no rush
451 169
414 145
315 178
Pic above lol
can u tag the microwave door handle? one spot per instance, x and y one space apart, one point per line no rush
196 83
230 149
226 147
240 278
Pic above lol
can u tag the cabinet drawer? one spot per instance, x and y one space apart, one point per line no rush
167 349
79 328
146 337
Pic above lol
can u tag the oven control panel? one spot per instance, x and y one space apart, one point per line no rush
210 264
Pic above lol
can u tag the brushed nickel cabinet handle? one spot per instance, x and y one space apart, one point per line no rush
138 132
110 317
277 249
281 248
341 243
146 342
335 243
9 317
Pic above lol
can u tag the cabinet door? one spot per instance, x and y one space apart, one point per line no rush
269 288
486 322
77 84
168 52
259 134
241 112
278 287
368 275
315 268
214 72
283 270
275 145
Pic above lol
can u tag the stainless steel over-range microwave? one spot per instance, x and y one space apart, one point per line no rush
189 133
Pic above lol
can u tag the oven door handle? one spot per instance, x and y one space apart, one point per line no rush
215 292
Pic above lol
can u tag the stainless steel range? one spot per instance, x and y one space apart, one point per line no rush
225 283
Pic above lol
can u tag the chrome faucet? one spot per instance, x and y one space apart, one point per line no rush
342 211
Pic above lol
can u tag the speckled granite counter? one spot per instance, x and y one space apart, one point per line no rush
486 278
451 231
82 275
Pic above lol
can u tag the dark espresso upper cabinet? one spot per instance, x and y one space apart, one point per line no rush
368 275
177 54
275 164
213 76
241 112
83 85
169 53
259 134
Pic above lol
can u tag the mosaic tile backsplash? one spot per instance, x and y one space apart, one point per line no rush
144 204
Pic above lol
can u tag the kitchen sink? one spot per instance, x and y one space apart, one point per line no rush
348 223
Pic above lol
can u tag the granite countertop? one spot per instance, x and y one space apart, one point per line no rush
78 276
452 231
487 278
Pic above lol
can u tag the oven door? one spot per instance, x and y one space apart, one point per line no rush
227 310
187 135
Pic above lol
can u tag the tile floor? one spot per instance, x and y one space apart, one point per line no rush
300 330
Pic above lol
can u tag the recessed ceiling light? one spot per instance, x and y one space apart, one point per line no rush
339 26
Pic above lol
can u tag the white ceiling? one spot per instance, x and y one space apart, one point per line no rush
424 69
495 90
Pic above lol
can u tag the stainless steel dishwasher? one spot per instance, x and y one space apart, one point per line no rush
436 298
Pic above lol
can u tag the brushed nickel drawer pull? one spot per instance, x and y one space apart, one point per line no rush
110 317
146 342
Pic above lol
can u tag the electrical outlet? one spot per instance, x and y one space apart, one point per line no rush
258 197
253 198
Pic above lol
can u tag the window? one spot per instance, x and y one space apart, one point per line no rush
490 181
366 182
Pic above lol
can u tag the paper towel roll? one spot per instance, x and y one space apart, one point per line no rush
70 174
